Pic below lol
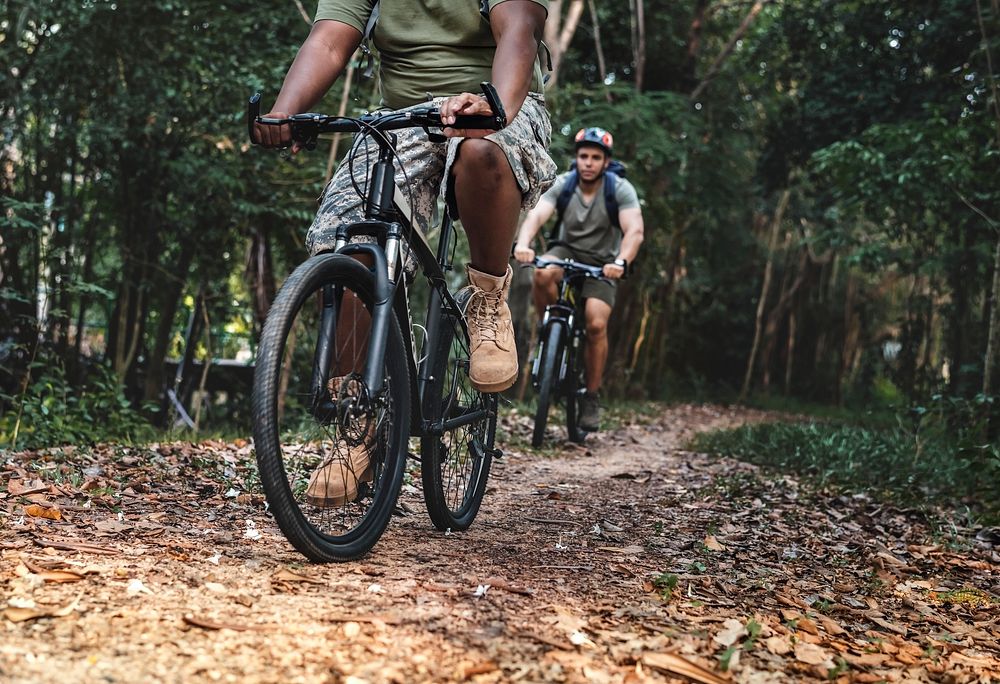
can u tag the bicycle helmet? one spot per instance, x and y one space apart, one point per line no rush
594 136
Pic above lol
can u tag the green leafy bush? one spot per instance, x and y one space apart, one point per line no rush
940 453
52 411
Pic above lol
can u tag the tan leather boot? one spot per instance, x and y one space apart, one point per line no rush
493 363
335 481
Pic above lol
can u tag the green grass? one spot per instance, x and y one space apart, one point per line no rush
919 465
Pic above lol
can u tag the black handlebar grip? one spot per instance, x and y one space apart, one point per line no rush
253 111
477 121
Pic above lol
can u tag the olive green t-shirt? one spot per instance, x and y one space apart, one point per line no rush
441 47
586 227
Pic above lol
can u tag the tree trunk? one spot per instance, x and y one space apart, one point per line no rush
688 77
156 380
790 352
260 275
559 32
772 245
843 352
639 44
993 336
602 69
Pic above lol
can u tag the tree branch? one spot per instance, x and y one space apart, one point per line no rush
728 49
302 11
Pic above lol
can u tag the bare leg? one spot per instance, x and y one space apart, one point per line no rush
596 353
489 202
545 288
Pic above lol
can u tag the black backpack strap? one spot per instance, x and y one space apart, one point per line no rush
367 38
562 201
610 199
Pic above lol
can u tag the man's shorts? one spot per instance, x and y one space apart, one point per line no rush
423 166
597 289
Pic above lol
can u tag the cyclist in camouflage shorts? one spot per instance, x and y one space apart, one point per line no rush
438 51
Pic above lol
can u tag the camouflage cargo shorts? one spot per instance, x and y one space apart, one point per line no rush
424 167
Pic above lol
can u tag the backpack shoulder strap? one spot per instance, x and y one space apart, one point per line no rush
367 38
610 199
562 201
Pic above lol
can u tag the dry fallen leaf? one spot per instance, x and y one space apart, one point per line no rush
36 511
30 612
731 632
675 664
811 654
807 625
286 575
478 669
713 544
498 583
51 575
777 645
212 624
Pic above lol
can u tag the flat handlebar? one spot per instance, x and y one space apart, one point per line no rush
308 126
572 268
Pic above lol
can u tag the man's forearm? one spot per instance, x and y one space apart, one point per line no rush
631 241
528 230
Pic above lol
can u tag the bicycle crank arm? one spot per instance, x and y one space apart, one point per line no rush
439 428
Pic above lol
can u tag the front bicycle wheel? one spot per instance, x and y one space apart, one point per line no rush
330 450
548 379
574 385
457 454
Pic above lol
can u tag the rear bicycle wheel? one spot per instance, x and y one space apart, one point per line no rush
456 463
548 379
330 451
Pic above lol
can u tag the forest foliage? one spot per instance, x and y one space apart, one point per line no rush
818 181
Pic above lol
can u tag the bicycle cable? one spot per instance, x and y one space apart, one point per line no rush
372 130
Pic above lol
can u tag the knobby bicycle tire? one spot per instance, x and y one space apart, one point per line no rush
456 464
572 385
293 442
548 379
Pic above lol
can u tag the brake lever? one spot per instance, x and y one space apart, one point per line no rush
253 111
493 100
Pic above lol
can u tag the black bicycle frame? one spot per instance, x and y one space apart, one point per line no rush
389 223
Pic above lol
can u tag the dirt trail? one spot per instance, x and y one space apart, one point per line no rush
625 560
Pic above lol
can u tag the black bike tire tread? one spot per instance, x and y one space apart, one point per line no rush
547 381
286 512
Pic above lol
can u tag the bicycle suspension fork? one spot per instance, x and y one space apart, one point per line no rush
386 264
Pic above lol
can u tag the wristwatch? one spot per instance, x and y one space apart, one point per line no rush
623 263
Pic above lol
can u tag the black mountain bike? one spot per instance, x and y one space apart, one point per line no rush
557 371
338 368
